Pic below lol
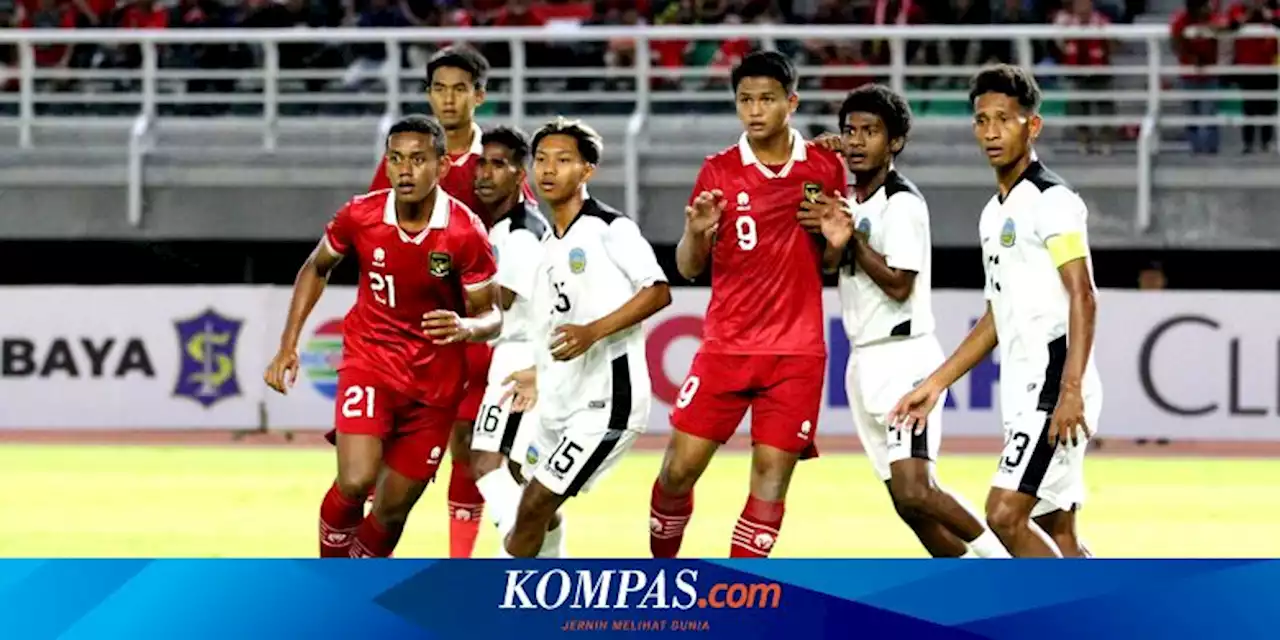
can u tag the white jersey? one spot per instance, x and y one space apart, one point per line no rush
517 247
896 219
1025 290
598 265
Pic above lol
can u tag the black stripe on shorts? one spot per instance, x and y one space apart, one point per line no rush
1042 454
509 432
619 412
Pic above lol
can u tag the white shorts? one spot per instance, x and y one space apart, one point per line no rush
877 377
497 429
1029 464
570 456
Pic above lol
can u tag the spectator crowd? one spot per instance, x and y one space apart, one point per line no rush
362 64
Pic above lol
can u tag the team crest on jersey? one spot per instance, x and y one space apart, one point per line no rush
864 226
1008 233
531 456
577 260
495 253
440 264
811 191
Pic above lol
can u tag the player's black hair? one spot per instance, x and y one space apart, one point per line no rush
417 123
460 57
882 101
766 64
1007 79
590 144
511 138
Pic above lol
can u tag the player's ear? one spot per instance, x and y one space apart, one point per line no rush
445 165
793 102
481 94
897 144
590 171
1034 125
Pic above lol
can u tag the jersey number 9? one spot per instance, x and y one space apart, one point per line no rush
747 238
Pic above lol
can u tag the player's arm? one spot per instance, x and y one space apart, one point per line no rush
1062 228
702 216
975 347
477 272
906 243
308 286
634 256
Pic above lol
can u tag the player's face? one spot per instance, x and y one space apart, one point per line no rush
559 168
764 107
413 167
1004 130
867 146
497 174
454 97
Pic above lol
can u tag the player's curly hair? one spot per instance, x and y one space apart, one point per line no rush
882 101
418 123
460 57
510 137
766 64
590 144
1009 80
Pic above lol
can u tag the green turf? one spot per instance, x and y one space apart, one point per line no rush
202 502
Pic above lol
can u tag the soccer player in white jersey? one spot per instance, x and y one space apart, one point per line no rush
598 281
501 437
1040 311
885 293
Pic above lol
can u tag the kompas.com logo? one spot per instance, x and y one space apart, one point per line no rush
631 589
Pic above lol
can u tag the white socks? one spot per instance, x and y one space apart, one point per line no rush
502 495
986 545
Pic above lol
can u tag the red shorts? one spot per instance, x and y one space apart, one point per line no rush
784 394
479 354
414 435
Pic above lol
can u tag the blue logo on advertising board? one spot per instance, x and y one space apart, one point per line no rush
207 346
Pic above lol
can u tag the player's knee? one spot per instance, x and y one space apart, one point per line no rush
1005 520
911 498
677 477
355 481
770 478
485 462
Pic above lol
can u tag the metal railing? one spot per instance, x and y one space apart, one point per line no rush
1138 89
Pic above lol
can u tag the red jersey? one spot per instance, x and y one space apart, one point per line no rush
459 181
766 280
403 277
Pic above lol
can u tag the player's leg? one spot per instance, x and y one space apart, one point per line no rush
1060 524
466 504
589 447
495 438
1027 469
411 457
708 410
945 524
362 418
784 425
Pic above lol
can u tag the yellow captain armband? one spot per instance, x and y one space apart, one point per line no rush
1065 247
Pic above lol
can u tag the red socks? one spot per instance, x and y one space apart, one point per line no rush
668 516
466 506
375 540
757 529
339 517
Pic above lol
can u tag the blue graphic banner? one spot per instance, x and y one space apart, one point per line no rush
783 599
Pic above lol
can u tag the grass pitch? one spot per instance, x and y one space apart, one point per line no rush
100 501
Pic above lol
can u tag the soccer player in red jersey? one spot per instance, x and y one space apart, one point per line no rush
456 79
762 345
424 260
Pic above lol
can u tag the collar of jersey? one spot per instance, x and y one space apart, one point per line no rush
439 216
798 154
477 147
588 204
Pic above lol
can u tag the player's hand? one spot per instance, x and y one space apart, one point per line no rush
1068 419
703 216
444 327
912 411
837 224
524 390
282 373
830 142
571 341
